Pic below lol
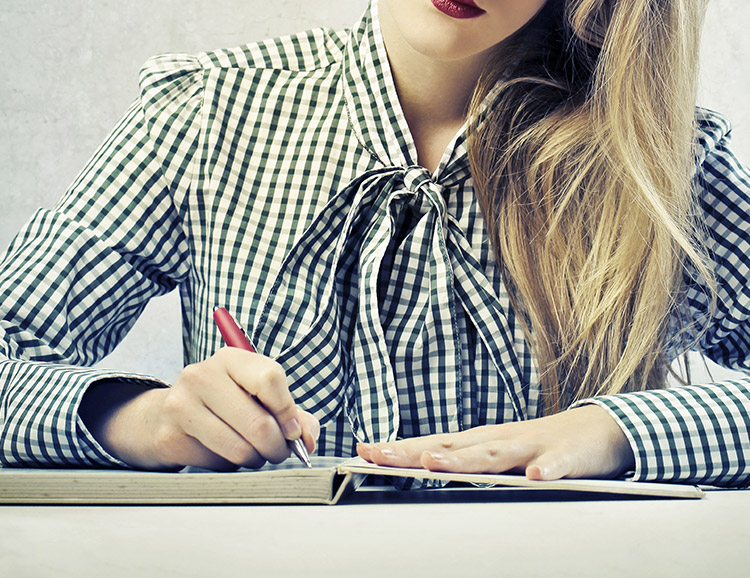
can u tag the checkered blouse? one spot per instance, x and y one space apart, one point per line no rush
280 180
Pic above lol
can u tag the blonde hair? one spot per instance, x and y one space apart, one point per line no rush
583 168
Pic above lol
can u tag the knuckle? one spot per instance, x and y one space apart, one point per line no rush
241 453
192 375
254 462
262 427
273 387
174 405
238 452
273 376
447 442
278 457
167 440
223 355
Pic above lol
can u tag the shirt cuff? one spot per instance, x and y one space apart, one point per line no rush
40 422
692 434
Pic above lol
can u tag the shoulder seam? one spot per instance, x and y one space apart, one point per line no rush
314 49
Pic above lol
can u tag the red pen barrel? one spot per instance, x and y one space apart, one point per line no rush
232 333
235 336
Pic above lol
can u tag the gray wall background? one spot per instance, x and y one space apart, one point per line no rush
70 71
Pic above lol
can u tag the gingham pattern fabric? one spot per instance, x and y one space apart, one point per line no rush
280 180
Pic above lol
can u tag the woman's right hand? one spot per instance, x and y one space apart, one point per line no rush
233 409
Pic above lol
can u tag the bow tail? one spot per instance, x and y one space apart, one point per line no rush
304 322
474 293
372 398
409 352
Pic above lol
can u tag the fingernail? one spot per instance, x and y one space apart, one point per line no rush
438 457
364 451
387 452
292 429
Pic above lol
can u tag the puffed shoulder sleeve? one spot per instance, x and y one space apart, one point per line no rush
77 276
701 433
171 100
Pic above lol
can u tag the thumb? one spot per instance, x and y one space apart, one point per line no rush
548 467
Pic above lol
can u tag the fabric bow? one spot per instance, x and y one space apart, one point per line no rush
363 310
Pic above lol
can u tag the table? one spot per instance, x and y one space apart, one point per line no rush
456 533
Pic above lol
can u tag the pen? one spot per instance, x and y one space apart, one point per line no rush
235 336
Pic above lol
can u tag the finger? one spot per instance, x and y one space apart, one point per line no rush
194 453
408 453
395 455
266 380
217 437
247 417
310 430
487 458
404 453
363 451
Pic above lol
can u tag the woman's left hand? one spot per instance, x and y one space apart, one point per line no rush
584 442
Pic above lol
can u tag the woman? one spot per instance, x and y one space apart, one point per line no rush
457 219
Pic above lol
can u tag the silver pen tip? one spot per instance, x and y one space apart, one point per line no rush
300 451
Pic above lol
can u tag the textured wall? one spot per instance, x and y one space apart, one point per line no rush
70 71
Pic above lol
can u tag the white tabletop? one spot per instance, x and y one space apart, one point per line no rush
448 533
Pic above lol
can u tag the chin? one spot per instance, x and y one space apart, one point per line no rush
431 34
447 49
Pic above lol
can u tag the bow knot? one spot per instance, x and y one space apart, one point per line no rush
428 194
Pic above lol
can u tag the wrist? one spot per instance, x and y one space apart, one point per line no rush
118 414
616 439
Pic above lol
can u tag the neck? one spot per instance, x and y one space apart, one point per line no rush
434 94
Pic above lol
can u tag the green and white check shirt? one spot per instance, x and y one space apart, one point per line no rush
280 180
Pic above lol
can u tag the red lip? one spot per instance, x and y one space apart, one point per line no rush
460 9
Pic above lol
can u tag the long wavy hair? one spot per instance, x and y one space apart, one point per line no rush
583 168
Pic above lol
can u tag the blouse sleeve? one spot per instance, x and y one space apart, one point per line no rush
76 277
700 433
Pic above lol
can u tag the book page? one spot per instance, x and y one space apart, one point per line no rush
358 465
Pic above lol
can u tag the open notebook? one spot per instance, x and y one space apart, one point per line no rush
326 483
